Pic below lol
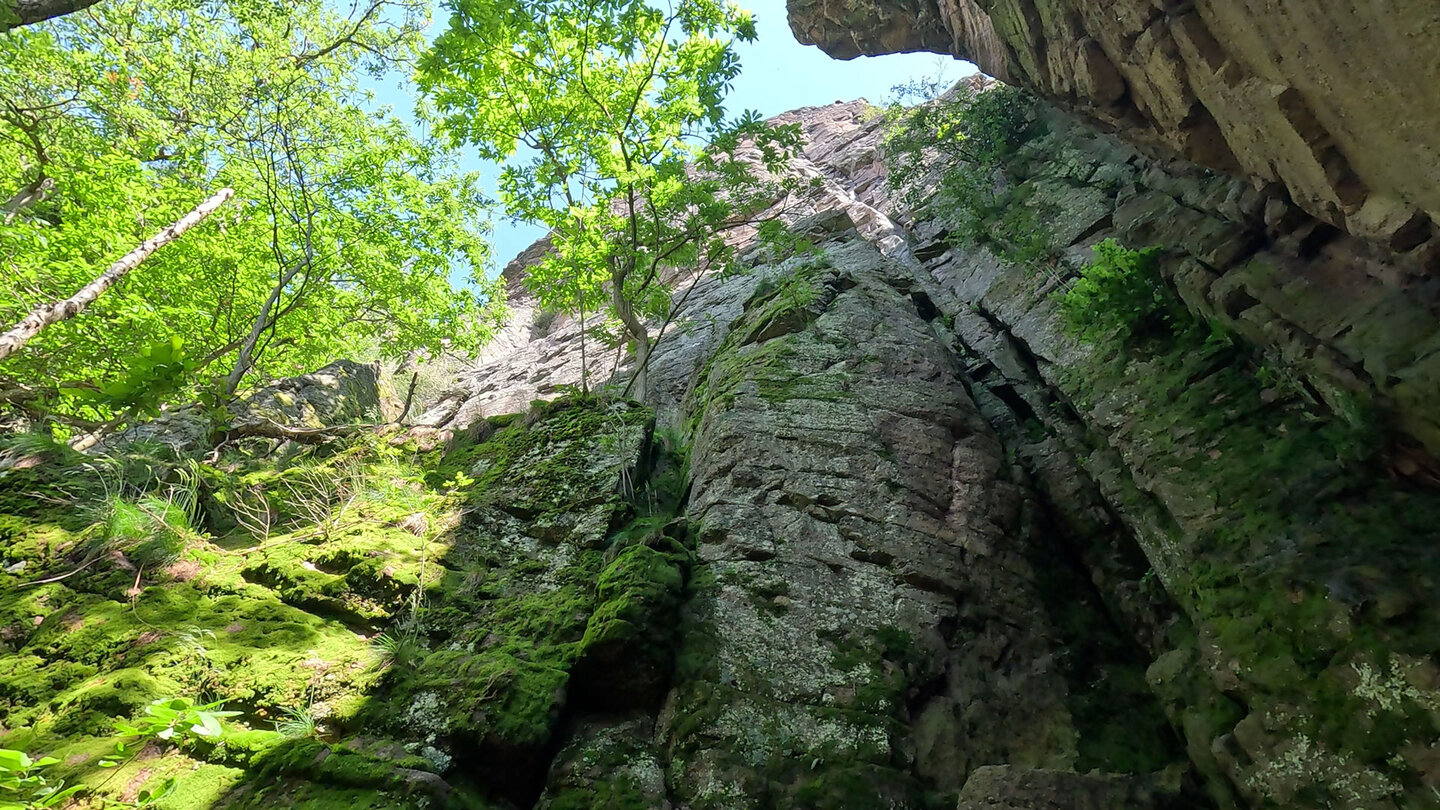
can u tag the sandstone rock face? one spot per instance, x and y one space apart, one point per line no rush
1323 102
340 393
864 604
537 355
1243 511
943 548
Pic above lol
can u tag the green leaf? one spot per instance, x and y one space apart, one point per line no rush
208 725
392 215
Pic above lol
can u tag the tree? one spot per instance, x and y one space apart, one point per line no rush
345 230
597 106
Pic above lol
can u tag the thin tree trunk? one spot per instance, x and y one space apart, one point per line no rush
33 11
43 316
262 321
36 191
409 398
584 371
639 335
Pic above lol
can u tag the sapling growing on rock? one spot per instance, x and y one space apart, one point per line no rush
610 120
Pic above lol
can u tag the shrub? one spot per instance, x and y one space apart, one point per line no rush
151 531
968 132
1120 294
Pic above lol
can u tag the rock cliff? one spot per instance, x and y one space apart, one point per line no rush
1331 105
885 532
941 544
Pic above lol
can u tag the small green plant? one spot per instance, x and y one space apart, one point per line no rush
149 797
150 531
321 494
1121 294
402 649
458 482
298 723
23 787
172 720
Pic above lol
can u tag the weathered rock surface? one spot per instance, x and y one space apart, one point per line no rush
1320 100
864 605
943 546
344 392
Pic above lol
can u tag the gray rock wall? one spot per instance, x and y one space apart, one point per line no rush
945 552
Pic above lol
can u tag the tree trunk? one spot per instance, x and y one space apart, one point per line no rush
262 322
43 316
639 335
33 11
32 193
584 369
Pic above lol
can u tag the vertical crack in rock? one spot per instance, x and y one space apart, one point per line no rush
866 624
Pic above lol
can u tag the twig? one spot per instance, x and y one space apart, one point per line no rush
49 580
269 429
409 398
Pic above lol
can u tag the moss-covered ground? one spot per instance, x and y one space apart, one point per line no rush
409 621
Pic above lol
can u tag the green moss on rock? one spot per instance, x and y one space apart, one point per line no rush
1298 559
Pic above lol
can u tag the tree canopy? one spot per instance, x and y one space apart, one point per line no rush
348 224
345 230
610 118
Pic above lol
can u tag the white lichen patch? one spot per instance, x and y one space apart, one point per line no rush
1302 762
436 757
1388 689
427 714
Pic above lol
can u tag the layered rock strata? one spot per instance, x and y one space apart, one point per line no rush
1334 106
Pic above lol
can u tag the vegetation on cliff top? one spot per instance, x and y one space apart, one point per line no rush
945 149
628 160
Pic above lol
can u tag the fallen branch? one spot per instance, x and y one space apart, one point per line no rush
47 314
268 429
86 564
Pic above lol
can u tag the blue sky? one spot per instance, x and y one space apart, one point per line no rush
779 74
